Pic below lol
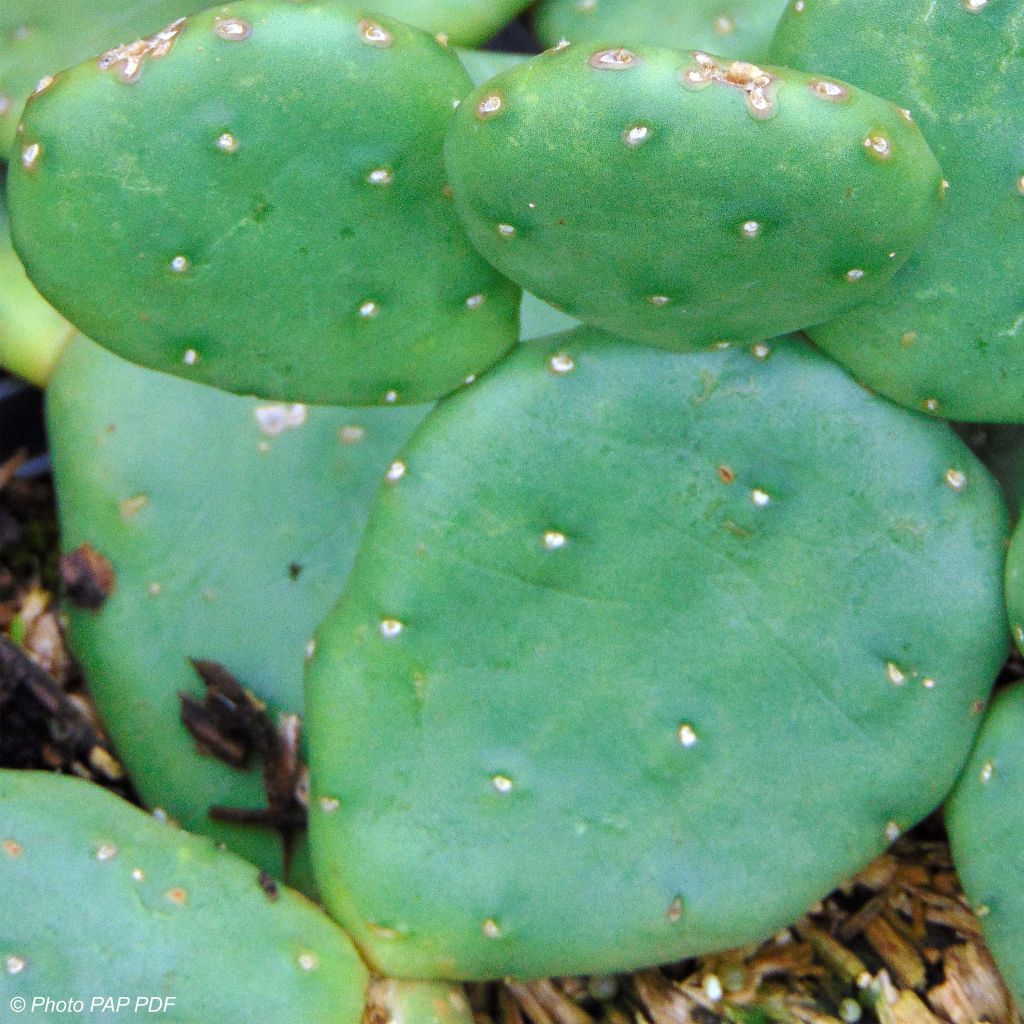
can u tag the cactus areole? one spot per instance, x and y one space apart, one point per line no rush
647 672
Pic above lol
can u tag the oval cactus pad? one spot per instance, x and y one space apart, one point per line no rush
648 673
101 899
38 38
685 201
255 198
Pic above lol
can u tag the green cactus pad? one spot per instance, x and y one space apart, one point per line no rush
32 333
466 22
256 199
647 674
682 201
730 28
985 819
537 319
947 335
101 900
41 37
231 525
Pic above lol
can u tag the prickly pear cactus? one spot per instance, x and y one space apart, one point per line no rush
230 525
707 630
255 198
729 28
41 37
684 201
946 335
985 819
102 901
466 22
32 333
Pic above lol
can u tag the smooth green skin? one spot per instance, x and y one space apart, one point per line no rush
286 237
613 226
84 926
227 510
537 319
985 821
483 65
32 333
729 28
465 22
946 334
40 37
676 599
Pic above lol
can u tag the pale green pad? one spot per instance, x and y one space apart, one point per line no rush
641 655
231 525
99 899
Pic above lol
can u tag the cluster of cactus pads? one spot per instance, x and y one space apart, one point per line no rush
436 421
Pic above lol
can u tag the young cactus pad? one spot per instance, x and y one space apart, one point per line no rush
946 334
256 199
231 525
648 674
466 22
679 200
101 899
985 819
731 28
41 37
32 333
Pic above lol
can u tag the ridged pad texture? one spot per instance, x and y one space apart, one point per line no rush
985 820
947 335
101 900
231 525
641 655
683 200
730 28
256 199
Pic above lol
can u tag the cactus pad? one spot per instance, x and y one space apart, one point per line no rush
101 899
255 198
730 28
466 22
683 201
230 525
41 37
947 335
647 674
985 819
